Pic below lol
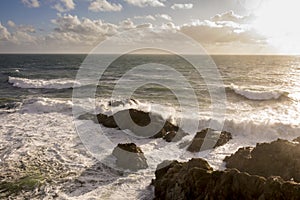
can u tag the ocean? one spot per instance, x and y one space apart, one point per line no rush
37 125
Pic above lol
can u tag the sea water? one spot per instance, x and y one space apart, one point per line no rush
36 121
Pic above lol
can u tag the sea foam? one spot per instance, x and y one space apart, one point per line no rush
42 83
257 93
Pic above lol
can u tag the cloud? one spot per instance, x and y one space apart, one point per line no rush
178 6
71 29
4 34
20 35
64 5
11 23
103 5
146 25
226 32
126 24
231 16
145 17
164 16
144 3
225 28
31 3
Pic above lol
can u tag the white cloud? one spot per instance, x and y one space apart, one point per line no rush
231 16
144 3
164 16
31 3
71 29
22 34
225 28
103 5
11 23
226 31
127 24
4 34
146 25
64 5
145 17
178 6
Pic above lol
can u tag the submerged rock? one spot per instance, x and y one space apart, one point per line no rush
195 179
142 124
212 139
278 158
129 156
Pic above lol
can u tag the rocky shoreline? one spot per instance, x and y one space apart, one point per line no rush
267 171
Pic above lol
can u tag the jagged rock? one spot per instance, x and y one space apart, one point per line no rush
130 156
107 121
278 158
195 179
138 122
297 140
213 139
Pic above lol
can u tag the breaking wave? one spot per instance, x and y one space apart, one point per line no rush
42 83
257 93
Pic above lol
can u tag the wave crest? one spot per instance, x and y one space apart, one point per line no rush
257 93
42 83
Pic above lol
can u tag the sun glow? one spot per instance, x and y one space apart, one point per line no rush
279 21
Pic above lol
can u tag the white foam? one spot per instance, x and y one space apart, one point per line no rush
256 93
46 105
42 83
42 122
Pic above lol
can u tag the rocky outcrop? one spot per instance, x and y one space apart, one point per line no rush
278 158
197 180
143 124
297 140
129 156
107 121
212 139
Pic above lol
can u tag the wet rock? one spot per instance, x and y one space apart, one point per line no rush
297 140
129 156
107 121
88 116
278 158
195 179
212 139
143 124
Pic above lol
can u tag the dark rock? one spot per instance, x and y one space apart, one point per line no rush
107 121
144 124
116 103
88 116
278 158
213 139
297 140
130 156
197 180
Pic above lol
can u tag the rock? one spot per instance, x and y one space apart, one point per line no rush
88 116
195 179
129 156
157 126
107 121
213 139
297 140
278 158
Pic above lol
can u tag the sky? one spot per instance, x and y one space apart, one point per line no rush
220 26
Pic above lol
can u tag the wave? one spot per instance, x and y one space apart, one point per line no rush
46 105
42 83
257 93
